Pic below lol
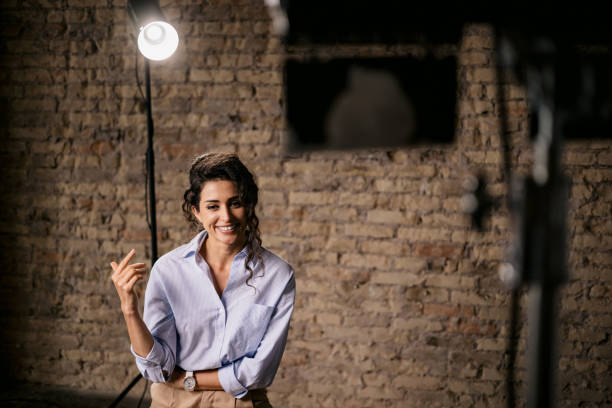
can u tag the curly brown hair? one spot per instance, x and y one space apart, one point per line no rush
226 166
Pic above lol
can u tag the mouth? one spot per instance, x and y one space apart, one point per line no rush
227 228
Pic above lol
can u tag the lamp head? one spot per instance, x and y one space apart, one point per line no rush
157 40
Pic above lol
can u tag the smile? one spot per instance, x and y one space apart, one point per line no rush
228 228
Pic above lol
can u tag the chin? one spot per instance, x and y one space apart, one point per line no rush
229 239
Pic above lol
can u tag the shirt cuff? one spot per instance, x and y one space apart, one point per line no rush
154 357
230 383
151 365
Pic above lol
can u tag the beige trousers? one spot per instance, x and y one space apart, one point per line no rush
165 396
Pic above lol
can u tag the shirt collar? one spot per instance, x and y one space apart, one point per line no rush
196 243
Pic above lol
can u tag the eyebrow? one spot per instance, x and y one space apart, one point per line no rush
229 199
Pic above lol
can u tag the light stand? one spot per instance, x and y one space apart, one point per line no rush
150 159
152 219
157 40
539 206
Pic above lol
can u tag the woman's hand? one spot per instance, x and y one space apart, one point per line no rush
125 277
177 378
206 380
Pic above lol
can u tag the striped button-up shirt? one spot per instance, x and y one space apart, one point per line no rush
242 333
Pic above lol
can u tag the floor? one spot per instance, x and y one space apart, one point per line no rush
44 397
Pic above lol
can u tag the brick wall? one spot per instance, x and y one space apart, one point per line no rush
399 303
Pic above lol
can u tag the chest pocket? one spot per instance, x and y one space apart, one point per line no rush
246 326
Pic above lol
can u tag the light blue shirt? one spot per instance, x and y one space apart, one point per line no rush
242 333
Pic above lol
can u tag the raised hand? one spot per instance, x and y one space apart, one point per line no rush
124 278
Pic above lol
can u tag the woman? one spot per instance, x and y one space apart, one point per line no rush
217 309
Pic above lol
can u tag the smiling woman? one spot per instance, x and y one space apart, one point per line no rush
217 309
222 214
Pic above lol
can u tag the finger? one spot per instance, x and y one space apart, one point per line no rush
138 265
114 266
115 274
130 284
119 268
134 267
129 273
127 259
141 268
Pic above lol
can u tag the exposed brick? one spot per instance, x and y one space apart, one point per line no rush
481 75
384 247
420 383
469 298
356 200
210 75
365 261
445 251
259 77
334 212
368 230
418 324
477 42
451 281
396 186
391 217
399 303
586 335
471 327
411 264
473 58
397 278
312 198
325 272
492 344
293 167
416 234
433 309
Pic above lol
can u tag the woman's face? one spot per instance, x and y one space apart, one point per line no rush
222 213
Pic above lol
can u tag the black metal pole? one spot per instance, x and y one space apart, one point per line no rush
151 165
548 261
150 159
125 391
542 346
501 59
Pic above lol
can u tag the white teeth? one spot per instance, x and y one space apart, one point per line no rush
230 228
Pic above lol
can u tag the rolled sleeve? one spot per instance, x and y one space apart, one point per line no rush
230 383
158 365
154 364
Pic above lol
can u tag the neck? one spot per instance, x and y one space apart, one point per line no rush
219 254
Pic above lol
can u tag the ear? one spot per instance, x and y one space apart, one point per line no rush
195 211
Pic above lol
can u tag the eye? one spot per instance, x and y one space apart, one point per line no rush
236 204
212 207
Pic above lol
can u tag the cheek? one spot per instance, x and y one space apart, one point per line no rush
209 220
204 218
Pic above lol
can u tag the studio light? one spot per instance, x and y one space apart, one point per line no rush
157 39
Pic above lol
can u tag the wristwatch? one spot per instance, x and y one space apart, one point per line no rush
189 383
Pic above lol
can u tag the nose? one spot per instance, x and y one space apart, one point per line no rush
226 214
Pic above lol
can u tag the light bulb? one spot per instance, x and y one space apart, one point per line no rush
157 40
154 33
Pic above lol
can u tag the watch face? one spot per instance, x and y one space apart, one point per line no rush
189 383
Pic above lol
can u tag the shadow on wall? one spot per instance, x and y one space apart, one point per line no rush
32 261
14 280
